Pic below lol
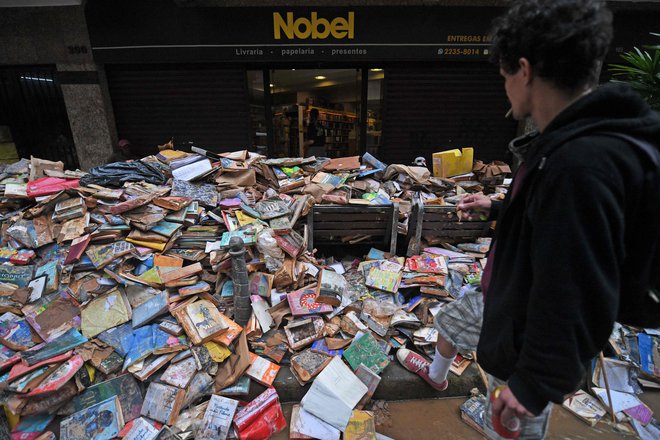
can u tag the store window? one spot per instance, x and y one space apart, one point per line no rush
374 110
258 131
316 111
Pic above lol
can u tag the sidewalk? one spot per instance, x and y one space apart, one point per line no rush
440 419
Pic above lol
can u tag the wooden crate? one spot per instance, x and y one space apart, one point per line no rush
440 222
328 224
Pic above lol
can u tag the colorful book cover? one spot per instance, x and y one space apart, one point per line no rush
262 370
240 388
303 302
383 280
427 264
30 427
361 426
102 421
65 342
17 275
201 385
59 377
205 319
141 429
321 345
15 332
125 387
115 338
367 351
260 284
370 380
166 228
292 243
248 237
151 309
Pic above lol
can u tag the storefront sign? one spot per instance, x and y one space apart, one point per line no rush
315 27
126 31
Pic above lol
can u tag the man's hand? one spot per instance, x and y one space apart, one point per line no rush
506 406
474 206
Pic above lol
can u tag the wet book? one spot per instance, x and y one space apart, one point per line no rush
585 406
15 332
125 387
150 309
261 370
181 373
361 426
201 321
330 288
104 312
473 413
61 375
102 421
217 419
52 314
370 380
63 343
163 403
368 352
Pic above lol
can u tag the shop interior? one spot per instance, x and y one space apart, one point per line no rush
337 96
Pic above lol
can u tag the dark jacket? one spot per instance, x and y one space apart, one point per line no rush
566 244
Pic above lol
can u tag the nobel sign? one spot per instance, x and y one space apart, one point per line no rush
313 27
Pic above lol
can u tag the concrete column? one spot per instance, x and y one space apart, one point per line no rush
91 122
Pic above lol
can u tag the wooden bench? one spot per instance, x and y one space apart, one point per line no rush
329 224
441 223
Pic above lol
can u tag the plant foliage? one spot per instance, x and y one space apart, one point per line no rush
642 72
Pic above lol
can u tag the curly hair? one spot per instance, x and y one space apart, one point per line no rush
565 41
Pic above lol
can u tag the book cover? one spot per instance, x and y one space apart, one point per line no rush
145 369
585 407
78 246
308 364
30 427
15 332
370 380
305 426
142 430
217 418
240 388
31 380
292 243
304 332
59 376
260 283
383 280
473 412
125 387
261 370
181 373
65 342
330 288
333 394
150 309
53 314
165 228
102 255
102 421
202 321
201 385
163 403
303 302
104 312
366 351
194 289
427 264
361 426
17 275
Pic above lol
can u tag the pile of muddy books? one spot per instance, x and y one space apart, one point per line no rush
118 315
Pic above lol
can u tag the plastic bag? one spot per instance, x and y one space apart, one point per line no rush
380 309
268 247
117 173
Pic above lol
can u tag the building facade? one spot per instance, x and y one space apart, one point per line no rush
399 80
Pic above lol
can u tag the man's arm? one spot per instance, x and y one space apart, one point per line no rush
576 252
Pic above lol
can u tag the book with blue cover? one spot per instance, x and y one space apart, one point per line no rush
101 421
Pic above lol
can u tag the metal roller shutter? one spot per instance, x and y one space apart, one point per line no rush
429 109
205 104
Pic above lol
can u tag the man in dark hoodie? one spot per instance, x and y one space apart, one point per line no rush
572 233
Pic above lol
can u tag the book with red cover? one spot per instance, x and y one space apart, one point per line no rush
59 377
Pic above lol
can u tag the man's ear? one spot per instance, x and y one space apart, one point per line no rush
526 69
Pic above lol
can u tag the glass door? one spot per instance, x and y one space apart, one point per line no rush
316 112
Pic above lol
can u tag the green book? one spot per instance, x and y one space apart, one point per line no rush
367 351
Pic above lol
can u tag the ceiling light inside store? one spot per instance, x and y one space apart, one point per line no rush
272 85
376 70
319 77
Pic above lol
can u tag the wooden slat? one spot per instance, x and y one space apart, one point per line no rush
366 216
345 232
455 233
376 228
